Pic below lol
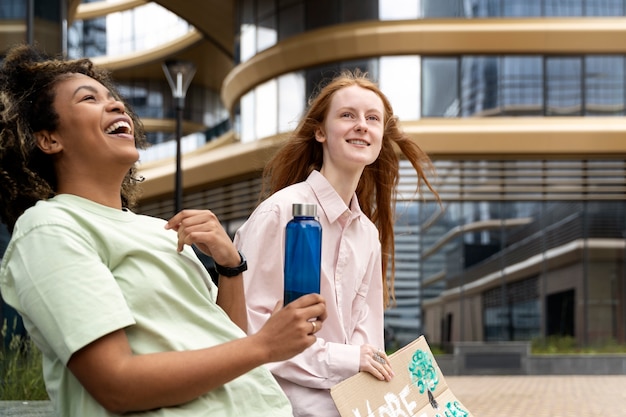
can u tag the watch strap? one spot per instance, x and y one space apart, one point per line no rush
232 271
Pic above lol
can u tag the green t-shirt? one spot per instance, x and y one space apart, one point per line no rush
76 271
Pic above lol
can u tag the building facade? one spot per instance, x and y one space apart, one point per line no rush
520 104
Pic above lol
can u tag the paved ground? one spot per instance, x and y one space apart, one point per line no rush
492 396
541 396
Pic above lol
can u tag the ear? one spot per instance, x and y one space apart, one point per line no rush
319 135
47 142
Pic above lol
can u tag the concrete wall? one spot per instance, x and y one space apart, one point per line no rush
512 358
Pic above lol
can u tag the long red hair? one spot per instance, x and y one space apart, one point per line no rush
376 191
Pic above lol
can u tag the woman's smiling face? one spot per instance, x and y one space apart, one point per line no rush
352 132
93 125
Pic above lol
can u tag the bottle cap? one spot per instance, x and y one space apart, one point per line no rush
304 210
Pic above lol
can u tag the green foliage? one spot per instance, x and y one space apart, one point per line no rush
21 376
567 345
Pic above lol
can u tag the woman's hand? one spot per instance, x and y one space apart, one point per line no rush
292 328
376 362
203 228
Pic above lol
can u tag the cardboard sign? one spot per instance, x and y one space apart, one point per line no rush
418 389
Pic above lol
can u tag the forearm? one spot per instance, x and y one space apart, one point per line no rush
127 382
122 381
320 366
231 298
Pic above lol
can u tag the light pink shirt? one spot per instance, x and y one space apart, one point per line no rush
351 283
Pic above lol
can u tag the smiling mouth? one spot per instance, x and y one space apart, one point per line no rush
119 127
357 142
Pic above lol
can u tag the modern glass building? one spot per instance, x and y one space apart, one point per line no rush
520 104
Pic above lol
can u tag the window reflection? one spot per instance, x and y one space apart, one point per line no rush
563 86
518 86
563 8
440 92
604 85
466 86
479 85
521 85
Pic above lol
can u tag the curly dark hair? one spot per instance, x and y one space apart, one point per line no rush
27 79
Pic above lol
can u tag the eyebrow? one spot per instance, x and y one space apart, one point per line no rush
370 110
91 89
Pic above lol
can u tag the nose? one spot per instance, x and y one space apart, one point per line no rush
361 124
116 105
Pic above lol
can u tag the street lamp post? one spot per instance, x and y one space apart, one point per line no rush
179 75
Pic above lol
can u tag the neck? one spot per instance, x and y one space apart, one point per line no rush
344 183
102 191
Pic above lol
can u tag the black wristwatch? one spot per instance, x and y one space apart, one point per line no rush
235 270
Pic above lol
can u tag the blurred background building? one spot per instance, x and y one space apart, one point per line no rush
520 103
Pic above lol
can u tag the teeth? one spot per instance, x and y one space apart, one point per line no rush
357 142
116 126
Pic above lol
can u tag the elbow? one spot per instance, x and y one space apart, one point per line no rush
115 402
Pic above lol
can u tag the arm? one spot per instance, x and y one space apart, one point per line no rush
369 330
202 228
261 238
78 311
124 382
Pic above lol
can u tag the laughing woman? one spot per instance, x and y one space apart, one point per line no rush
127 318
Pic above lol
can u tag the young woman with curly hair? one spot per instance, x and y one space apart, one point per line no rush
127 318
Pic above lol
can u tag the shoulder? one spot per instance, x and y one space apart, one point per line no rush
45 212
281 201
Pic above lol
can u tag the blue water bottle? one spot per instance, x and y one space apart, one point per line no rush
303 252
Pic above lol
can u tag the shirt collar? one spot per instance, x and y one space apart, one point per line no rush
329 200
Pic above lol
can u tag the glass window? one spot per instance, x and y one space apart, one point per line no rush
321 13
13 9
358 10
400 82
398 9
266 106
266 24
563 86
265 8
127 32
604 8
563 8
440 87
290 20
291 100
246 11
442 8
247 44
521 85
266 33
479 85
604 85
521 8
482 8
247 119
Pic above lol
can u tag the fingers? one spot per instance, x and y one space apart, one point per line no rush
292 328
382 365
376 362
203 228
313 309
314 306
